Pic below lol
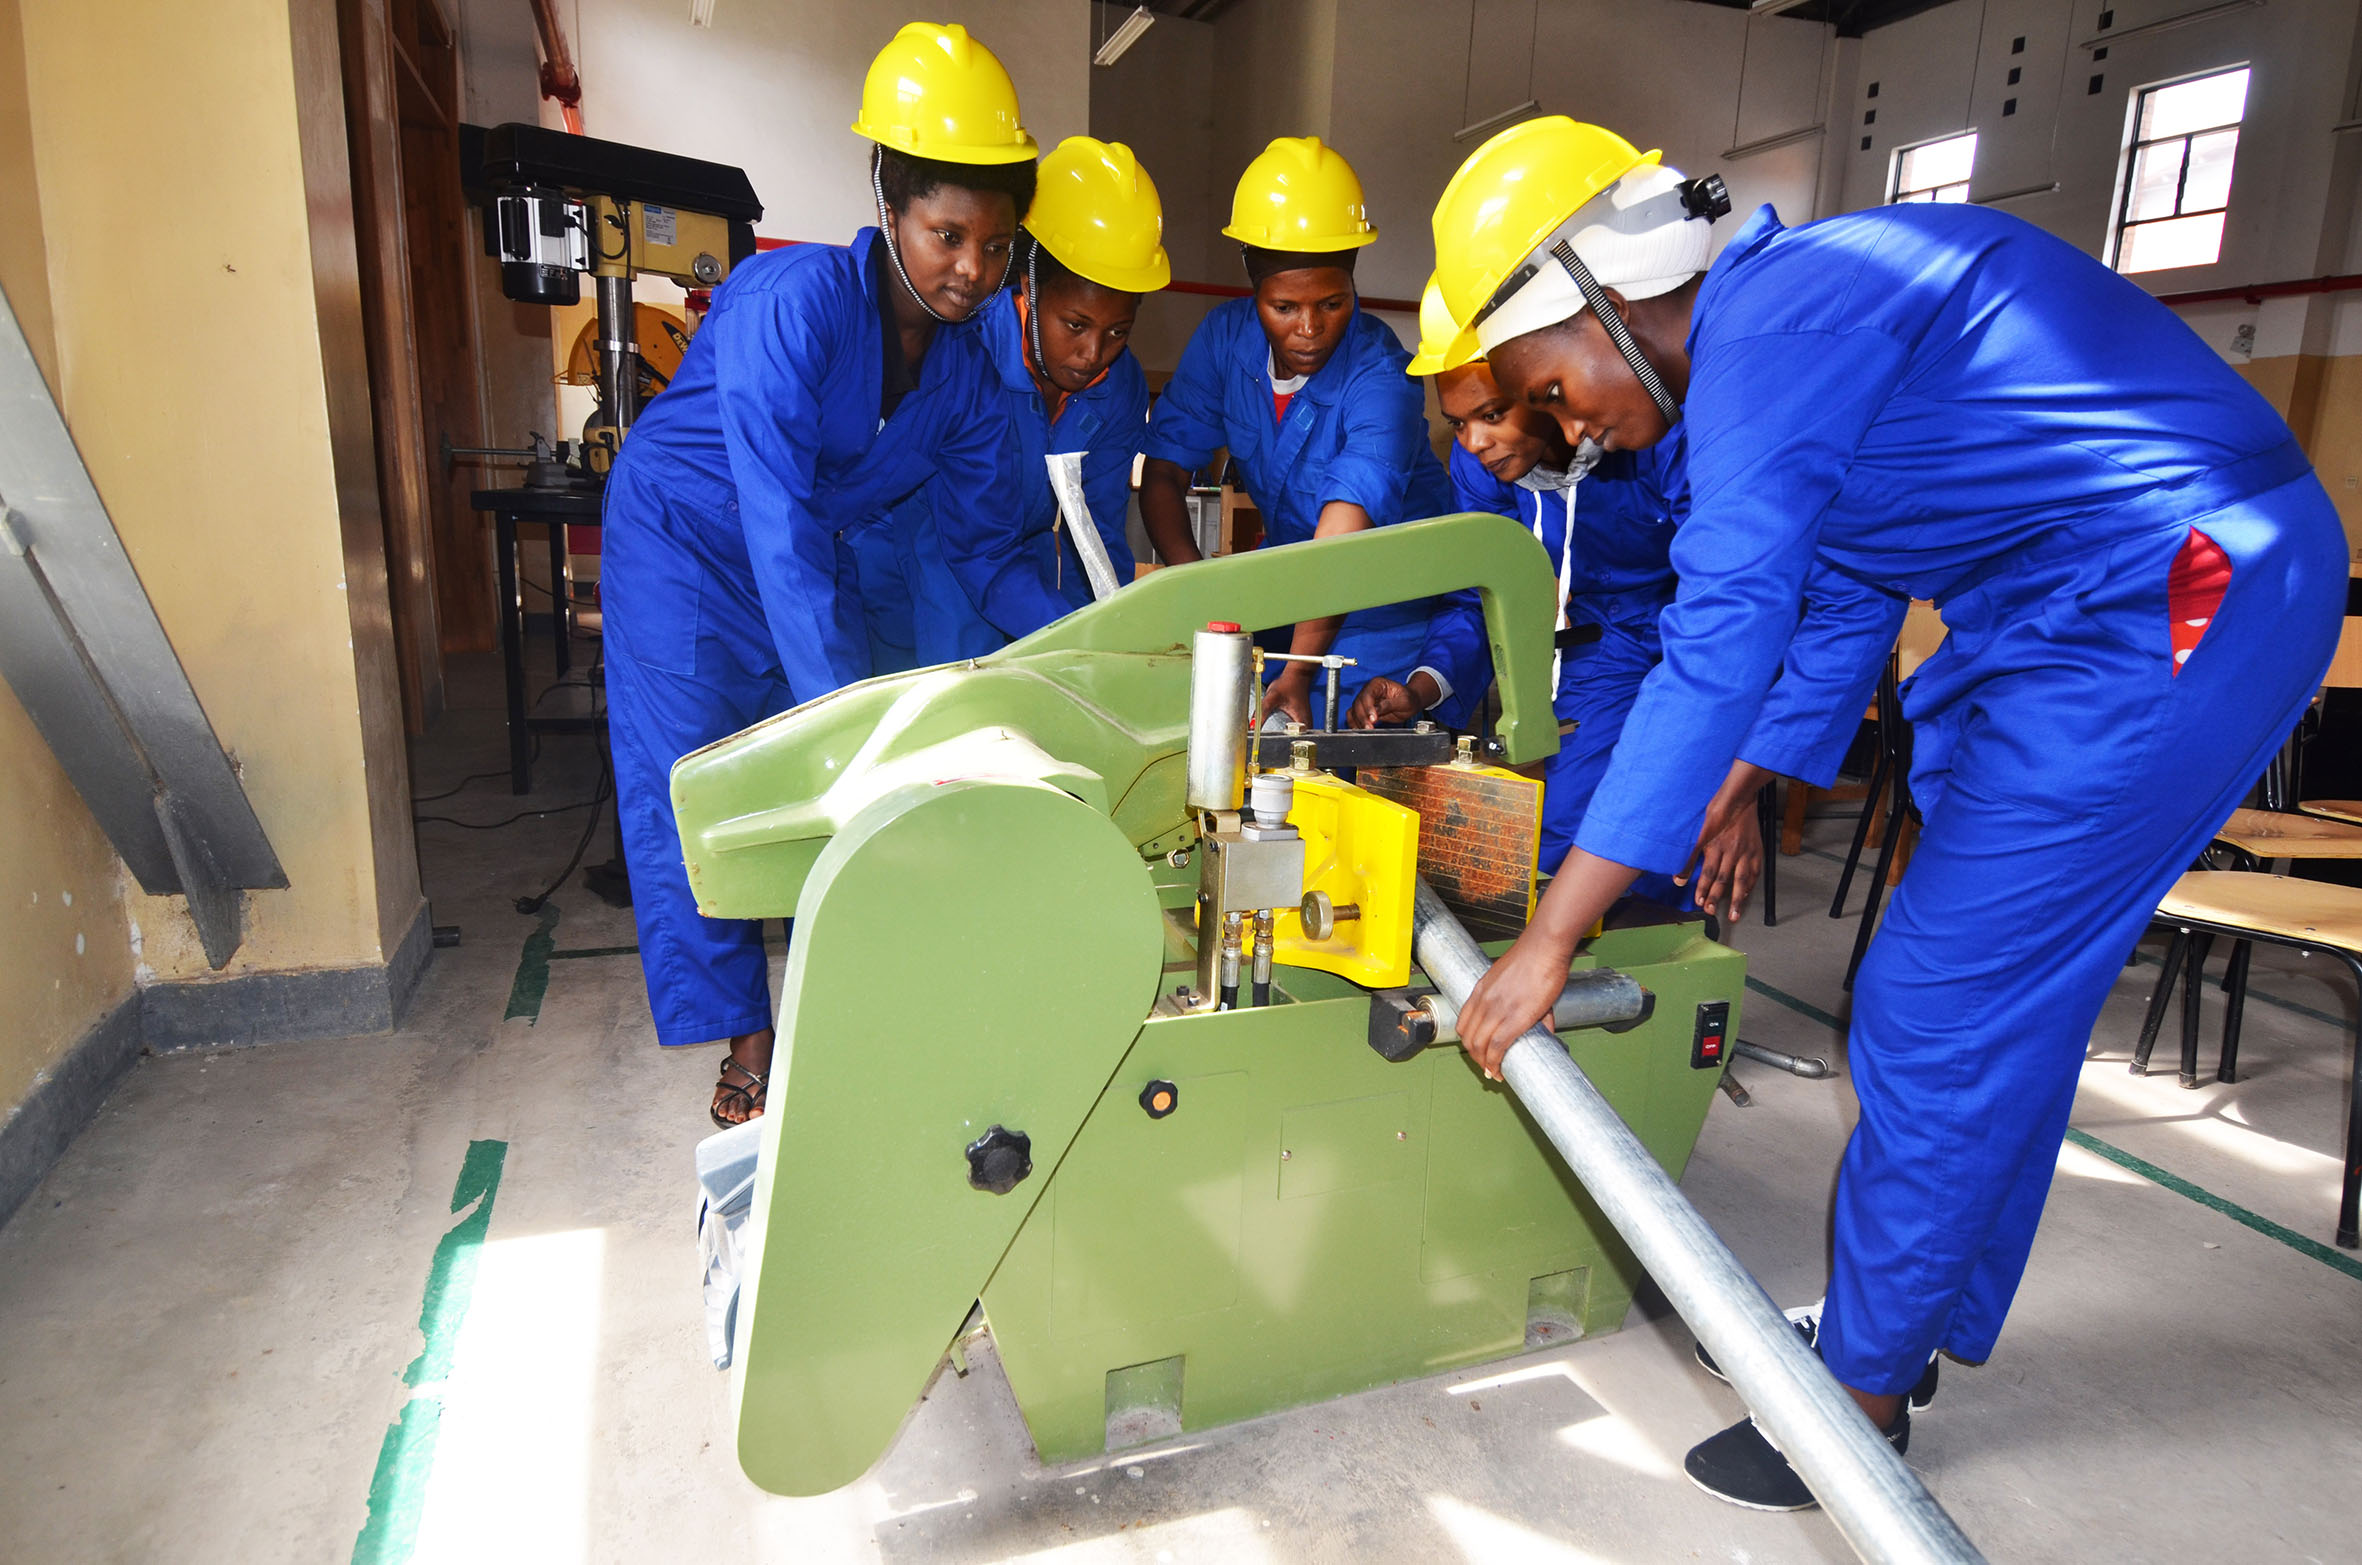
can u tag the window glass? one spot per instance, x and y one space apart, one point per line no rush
1936 171
2177 175
2194 105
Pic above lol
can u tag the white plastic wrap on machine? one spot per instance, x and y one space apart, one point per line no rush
725 1197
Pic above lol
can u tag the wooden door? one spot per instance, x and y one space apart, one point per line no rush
442 304
372 128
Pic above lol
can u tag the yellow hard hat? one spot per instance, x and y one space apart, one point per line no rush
1513 193
1300 195
1444 344
1096 210
935 92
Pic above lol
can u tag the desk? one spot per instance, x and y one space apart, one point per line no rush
560 508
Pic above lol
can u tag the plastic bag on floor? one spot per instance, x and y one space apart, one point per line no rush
725 1195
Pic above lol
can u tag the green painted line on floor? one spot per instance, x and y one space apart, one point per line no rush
406 1457
1800 1007
2335 1260
532 980
589 951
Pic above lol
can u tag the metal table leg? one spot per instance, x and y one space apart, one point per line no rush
561 597
512 650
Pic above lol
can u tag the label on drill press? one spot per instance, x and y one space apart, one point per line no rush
1712 1037
660 224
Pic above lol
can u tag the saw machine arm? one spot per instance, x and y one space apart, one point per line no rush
1097 704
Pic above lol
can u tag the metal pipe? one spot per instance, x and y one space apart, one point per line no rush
1261 991
1221 704
1230 944
1598 998
1793 1064
619 354
1877 1502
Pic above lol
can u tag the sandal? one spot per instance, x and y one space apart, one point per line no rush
746 1100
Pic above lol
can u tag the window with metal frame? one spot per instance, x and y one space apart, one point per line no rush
1934 170
2176 188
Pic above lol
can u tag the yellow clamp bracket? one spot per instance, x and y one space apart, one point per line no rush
1361 852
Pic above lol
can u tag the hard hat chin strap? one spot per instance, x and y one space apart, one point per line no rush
1033 312
1596 297
877 188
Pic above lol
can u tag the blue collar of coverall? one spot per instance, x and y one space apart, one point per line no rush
1759 230
1254 356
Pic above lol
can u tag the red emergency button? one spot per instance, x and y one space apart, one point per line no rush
1222 625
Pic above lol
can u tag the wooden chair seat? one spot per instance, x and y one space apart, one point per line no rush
2302 912
2245 907
2277 834
2335 809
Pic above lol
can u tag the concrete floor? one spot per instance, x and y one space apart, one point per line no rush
207 1311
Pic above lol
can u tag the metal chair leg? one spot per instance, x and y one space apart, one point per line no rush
2176 949
1886 862
2235 992
1853 855
2193 996
2349 1201
1767 826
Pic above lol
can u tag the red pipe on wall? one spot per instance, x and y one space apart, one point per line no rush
559 80
1212 290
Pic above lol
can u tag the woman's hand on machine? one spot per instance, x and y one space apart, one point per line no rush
1521 988
1384 701
1517 991
1290 694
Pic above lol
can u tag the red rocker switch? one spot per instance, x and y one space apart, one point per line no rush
1713 1035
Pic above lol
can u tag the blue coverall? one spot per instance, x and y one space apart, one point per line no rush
1356 432
1616 560
1017 583
729 590
1945 402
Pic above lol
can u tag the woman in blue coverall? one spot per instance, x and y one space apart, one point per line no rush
1308 394
1066 382
1606 522
1935 401
824 384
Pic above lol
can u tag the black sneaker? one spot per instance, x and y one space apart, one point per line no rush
1741 1465
1808 1326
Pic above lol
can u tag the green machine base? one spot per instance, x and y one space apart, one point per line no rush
1310 1220
1172 1220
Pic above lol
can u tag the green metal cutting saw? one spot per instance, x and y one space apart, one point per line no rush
1102 1010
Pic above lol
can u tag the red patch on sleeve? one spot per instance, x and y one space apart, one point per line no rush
2194 591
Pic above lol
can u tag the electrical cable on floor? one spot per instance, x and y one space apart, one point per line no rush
534 904
521 815
437 798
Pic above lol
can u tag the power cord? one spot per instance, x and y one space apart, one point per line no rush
534 904
437 798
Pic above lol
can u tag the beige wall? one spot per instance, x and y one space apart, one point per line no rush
210 371
64 961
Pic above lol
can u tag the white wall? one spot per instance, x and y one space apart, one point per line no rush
1161 100
1693 80
773 86
2056 160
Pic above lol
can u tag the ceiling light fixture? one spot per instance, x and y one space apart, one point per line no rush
1124 36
